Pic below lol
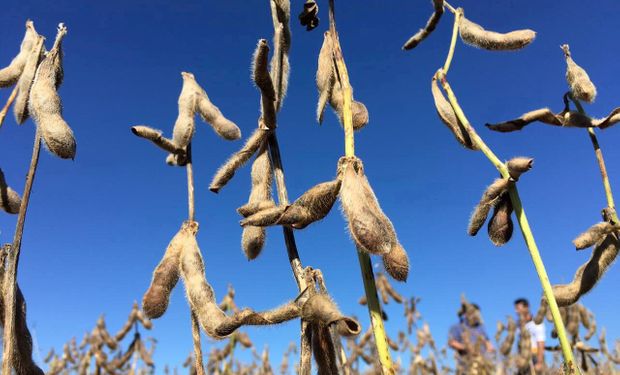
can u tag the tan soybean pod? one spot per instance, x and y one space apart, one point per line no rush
280 67
20 106
500 225
227 171
370 228
210 113
448 116
489 198
325 76
358 109
594 234
21 360
311 206
319 308
589 273
10 74
184 126
253 237
430 26
10 201
475 35
396 262
44 104
581 86
323 350
166 274
511 329
519 165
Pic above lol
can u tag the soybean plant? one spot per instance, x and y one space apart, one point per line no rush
502 195
36 75
602 236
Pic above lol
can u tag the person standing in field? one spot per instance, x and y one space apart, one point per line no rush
537 332
468 338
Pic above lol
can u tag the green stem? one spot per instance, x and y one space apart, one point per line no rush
455 30
526 231
601 162
374 309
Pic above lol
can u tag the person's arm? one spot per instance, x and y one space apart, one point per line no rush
540 353
454 344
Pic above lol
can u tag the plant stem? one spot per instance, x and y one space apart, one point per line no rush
9 284
305 357
191 207
5 109
601 162
526 231
370 288
455 30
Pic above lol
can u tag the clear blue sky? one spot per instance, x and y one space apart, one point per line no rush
97 226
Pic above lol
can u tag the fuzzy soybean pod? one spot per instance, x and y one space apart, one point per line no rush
10 74
396 262
589 273
542 311
489 198
279 65
227 171
519 165
253 237
10 201
21 361
184 126
370 228
358 109
432 22
325 76
313 205
323 350
448 116
166 274
525 350
500 226
511 329
262 79
475 35
209 112
20 108
202 301
594 234
319 308
581 87
44 104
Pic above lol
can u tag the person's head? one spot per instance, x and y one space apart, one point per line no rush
470 314
522 307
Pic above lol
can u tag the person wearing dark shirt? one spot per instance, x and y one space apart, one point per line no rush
469 334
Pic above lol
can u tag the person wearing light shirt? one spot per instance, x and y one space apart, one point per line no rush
537 333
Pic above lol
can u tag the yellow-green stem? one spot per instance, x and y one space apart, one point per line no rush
455 30
601 163
526 231
374 309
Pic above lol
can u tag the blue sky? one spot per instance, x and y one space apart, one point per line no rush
97 226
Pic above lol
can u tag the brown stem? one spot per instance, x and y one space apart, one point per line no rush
293 255
190 185
9 284
192 216
5 109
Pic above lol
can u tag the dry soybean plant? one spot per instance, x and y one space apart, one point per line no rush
35 75
100 352
602 236
502 195
370 229
322 323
